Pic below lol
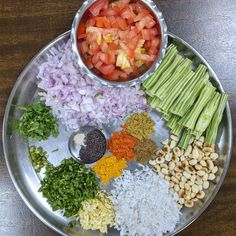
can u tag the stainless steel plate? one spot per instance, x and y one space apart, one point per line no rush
27 182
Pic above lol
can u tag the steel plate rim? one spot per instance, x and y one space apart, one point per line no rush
24 198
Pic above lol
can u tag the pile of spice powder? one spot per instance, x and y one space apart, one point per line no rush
145 150
109 167
122 145
97 213
140 125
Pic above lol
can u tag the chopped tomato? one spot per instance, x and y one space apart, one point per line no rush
84 47
106 23
110 12
89 62
95 58
104 46
81 30
127 13
91 22
113 46
114 75
98 65
142 15
118 38
98 6
155 42
113 21
107 69
145 57
122 23
132 44
104 58
154 31
94 48
146 34
111 57
99 22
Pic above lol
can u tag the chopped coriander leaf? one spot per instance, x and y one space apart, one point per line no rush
55 150
37 122
67 185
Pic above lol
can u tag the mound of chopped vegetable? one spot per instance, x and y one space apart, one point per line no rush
77 100
119 40
37 122
68 185
97 213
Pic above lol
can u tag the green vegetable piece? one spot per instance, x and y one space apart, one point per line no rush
169 57
166 76
184 141
190 93
68 185
207 115
37 122
168 101
38 157
212 130
190 119
181 71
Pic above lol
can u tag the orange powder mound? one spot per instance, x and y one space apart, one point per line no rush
109 167
122 145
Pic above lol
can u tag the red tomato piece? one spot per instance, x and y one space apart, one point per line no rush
98 6
99 22
149 22
91 37
81 30
107 69
91 22
140 25
123 35
95 58
145 57
83 47
104 46
114 75
113 46
110 12
142 15
127 13
98 65
89 63
94 48
106 23
146 34
111 57
132 34
139 7
153 50
154 31
155 42
104 57
132 44
113 21
122 23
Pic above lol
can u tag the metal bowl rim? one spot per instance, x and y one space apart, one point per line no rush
5 120
164 42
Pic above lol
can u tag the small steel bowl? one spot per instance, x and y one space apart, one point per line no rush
164 41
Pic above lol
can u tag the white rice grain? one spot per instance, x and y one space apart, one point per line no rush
144 205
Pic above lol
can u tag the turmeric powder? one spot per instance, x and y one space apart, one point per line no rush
109 167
